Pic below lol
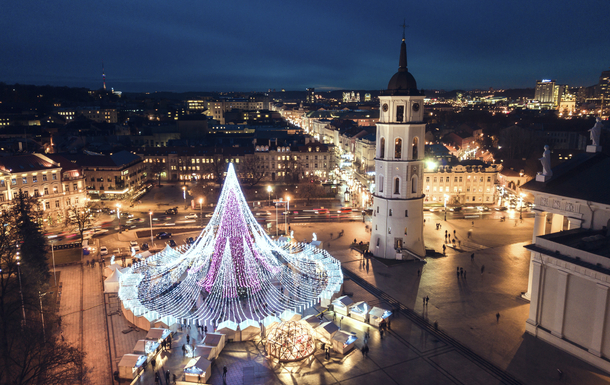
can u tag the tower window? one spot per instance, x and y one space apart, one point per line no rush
398 148
400 113
377 209
396 186
378 241
390 213
415 151
406 213
381 148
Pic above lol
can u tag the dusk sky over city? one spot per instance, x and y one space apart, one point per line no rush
255 46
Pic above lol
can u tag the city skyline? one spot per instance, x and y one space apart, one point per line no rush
243 46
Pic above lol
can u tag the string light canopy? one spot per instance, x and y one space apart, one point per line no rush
233 272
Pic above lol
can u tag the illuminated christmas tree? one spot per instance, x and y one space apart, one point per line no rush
234 271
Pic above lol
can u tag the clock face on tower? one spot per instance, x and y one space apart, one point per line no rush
385 107
416 107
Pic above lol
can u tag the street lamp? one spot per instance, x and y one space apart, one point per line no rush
44 334
521 206
118 215
269 189
287 214
150 220
201 209
446 198
184 195
21 291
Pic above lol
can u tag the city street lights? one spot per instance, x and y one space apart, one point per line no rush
184 195
44 334
446 198
521 206
201 209
118 215
150 220
269 189
21 291
287 214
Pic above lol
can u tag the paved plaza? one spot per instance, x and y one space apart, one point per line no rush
470 346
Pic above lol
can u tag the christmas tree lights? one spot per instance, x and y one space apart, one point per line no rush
233 272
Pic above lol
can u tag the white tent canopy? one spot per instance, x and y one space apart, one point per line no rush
327 330
111 284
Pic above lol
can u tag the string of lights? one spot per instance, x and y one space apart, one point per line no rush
233 272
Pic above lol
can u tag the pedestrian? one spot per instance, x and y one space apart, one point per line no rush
472 223
423 300
167 376
205 329
198 379
497 317
362 350
153 363
458 268
418 273
459 243
334 317
454 233
331 235
366 349
355 241
444 248
188 339
381 333
183 350
458 274
482 269
224 372
174 377
472 257
469 233
427 299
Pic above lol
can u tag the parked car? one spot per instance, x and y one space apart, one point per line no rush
134 245
172 211
191 216
103 250
163 235
144 246
189 241
172 243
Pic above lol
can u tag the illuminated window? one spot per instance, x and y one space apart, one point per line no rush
398 148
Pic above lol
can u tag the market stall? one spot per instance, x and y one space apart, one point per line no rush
326 331
378 314
359 311
146 347
343 341
198 370
341 305
158 334
228 328
311 320
249 329
204 351
131 365
215 341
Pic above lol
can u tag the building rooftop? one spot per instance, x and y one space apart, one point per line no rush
586 176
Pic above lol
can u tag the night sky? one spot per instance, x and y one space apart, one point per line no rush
257 45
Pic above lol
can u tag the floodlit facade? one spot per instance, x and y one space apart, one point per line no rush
397 224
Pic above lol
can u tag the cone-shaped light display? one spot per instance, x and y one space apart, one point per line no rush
234 272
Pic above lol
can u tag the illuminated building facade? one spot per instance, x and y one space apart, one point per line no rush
397 224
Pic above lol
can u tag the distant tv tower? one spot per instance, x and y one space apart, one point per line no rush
104 76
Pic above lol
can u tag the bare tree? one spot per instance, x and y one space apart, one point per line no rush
253 170
156 169
81 217
217 167
311 190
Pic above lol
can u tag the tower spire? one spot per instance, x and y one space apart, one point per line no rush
402 62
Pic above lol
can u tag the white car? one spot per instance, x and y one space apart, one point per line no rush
134 245
191 216
103 250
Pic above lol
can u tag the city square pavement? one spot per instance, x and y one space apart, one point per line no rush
469 337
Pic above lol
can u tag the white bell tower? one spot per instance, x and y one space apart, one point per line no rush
398 211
